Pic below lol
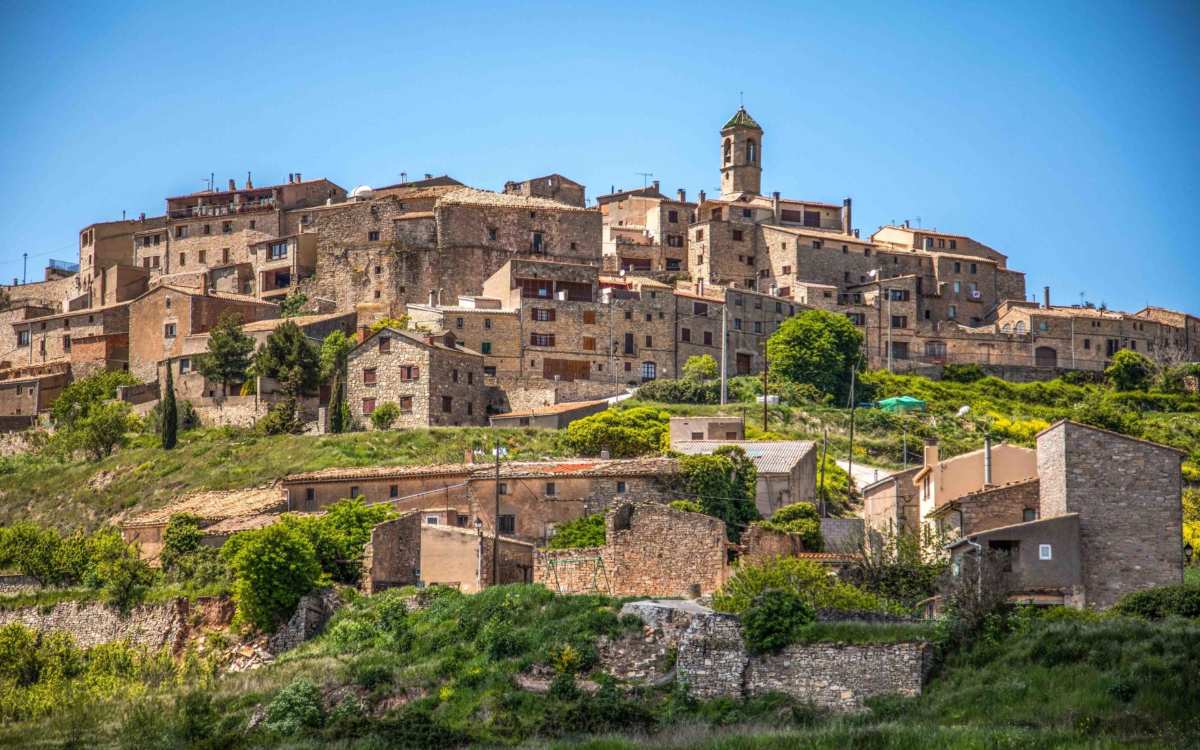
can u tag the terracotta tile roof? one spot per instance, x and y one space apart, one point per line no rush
552 409
832 235
216 506
212 193
585 468
72 314
271 324
383 472
472 197
769 456
826 556
415 215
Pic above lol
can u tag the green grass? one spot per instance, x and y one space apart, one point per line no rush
84 494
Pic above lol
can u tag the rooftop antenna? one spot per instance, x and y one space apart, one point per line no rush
918 221
741 100
645 178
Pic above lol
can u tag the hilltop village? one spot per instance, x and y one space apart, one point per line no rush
535 294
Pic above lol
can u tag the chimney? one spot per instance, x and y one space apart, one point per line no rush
249 182
700 287
682 195
297 178
428 176
987 460
701 196
431 298
847 224
1046 296
931 451
856 234
291 177
906 223
232 185
363 332
775 205
655 185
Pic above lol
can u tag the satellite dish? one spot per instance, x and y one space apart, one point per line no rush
962 410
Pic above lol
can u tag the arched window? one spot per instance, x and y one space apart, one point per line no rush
1020 326
751 152
728 151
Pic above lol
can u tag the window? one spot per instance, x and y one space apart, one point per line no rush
310 496
185 365
461 520
541 314
385 344
952 313
485 347
747 213
953 244
373 235
508 523
649 371
898 295
169 331
1043 326
454 375
899 321
551 490
737 235
207 229
368 405
406 404
672 217
536 243
685 334
1029 514
974 267
541 339
181 231
1045 552
487 324
491 234
858 319
817 244
394 490
502 488
1087 343
786 269
489 371
224 255
700 309
708 338
23 338
409 372
758 326
458 323
737 324
1019 327
182 260
589 343
66 343
370 376
674 240
620 487
203 256
354 492
957 267
957 287
447 404
431 520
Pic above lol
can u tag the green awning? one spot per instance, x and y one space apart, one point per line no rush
902 403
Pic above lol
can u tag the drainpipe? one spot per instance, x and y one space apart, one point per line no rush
987 460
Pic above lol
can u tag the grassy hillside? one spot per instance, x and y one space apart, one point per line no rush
446 675
80 493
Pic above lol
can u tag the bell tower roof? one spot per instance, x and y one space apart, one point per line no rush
741 119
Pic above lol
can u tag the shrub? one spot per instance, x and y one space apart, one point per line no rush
181 537
903 568
78 399
580 532
280 419
819 348
1182 600
338 536
798 518
385 415
813 583
296 707
293 304
273 567
624 433
724 483
102 431
690 506
701 367
773 619
1129 371
187 419
680 391
967 373
170 414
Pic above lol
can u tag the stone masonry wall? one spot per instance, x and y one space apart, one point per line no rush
393 556
92 623
1000 506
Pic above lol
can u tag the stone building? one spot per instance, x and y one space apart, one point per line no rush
787 469
650 549
1101 520
409 551
220 514
534 497
162 320
553 187
890 504
941 481
28 391
405 487
91 339
645 231
706 428
749 320
431 378
988 508
553 417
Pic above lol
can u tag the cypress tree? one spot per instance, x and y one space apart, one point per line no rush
170 413
337 422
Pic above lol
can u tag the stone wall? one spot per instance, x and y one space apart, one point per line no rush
651 549
153 626
998 506
765 544
393 556
515 393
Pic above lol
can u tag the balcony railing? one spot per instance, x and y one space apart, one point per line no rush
229 209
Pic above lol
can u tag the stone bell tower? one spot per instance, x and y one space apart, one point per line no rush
741 155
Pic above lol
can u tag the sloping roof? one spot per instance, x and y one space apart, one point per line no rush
1026 524
383 472
271 324
769 456
741 119
472 197
584 467
543 411
216 506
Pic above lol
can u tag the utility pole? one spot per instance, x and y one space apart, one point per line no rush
853 405
724 341
766 362
888 316
24 266
496 523
824 455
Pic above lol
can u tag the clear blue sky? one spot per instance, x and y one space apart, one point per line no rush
1063 134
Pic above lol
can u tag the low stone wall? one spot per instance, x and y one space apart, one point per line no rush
712 660
18 584
153 626
513 393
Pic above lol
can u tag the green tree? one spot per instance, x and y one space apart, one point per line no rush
79 398
290 358
103 430
181 537
587 531
229 351
819 348
33 551
624 433
724 484
339 536
1129 371
701 367
293 304
335 348
385 415
170 414
808 579
273 567
399 324
798 518
339 409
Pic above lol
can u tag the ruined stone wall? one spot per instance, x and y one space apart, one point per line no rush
47 293
393 556
92 623
765 544
1000 506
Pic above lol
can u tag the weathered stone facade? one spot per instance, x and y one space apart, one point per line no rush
650 550
153 626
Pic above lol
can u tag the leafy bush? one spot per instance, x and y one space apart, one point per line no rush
104 429
339 536
798 518
293 304
587 531
811 582
680 391
819 348
182 536
385 415
79 398
273 567
296 707
774 618
186 418
967 373
1129 371
624 433
903 568
724 484
1182 600
280 419
701 367
690 506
